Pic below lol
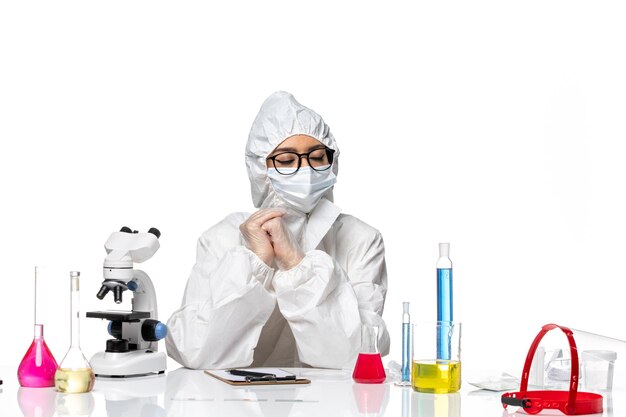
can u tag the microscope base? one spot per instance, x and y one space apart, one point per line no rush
128 364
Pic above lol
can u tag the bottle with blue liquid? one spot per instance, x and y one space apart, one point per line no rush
444 301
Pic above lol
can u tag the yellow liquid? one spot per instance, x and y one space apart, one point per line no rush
74 380
436 376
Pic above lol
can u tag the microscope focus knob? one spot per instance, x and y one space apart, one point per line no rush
115 329
153 330
132 285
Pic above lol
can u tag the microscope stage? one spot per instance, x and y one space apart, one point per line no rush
117 315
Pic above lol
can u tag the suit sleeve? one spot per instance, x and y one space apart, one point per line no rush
225 306
326 304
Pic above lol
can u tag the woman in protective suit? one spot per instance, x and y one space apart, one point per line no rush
291 284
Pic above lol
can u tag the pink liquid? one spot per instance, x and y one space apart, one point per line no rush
38 365
369 369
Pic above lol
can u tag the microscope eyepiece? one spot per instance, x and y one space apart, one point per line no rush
104 290
117 293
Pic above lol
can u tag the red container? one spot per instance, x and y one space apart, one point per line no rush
369 369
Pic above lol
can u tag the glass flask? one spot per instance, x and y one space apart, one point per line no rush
38 364
74 374
369 365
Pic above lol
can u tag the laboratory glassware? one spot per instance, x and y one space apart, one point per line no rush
572 402
37 368
432 374
601 369
74 374
369 365
406 346
598 367
444 299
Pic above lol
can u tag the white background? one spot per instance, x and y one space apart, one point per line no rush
497 126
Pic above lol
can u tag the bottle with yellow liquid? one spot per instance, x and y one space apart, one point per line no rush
437 376
74 375
431 373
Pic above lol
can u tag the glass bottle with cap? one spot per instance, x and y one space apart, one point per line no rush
75 374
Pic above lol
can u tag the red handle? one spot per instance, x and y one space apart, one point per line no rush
573 384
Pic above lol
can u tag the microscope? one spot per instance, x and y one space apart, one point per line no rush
134 349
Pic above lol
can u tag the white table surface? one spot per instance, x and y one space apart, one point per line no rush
184 392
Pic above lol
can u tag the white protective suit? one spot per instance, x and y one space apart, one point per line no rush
237 311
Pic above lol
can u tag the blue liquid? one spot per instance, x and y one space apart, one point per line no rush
406 351
444 311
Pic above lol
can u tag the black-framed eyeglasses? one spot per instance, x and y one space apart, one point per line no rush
288 163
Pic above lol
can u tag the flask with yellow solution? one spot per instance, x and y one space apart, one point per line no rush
74 375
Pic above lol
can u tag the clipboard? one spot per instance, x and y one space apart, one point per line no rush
239 381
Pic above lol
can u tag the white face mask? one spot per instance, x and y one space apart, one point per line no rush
304 189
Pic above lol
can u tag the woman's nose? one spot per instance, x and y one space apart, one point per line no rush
304 161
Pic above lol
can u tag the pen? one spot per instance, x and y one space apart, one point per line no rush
252 376
239 372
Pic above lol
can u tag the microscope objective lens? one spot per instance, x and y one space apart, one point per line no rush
117 294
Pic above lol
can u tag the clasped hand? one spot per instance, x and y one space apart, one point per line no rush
266 234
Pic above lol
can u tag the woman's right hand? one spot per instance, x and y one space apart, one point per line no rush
257 239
